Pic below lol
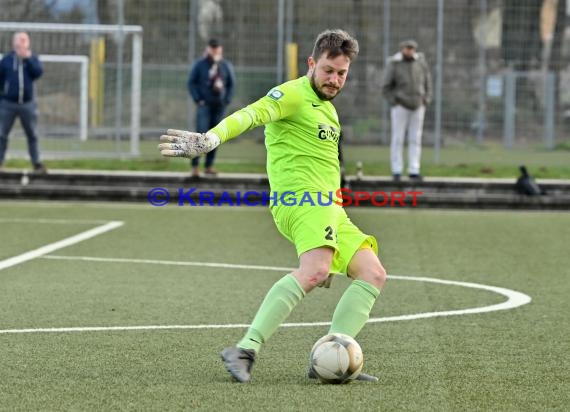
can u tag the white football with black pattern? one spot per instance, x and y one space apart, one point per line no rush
336 358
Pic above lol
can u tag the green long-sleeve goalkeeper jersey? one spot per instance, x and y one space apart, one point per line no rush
301 136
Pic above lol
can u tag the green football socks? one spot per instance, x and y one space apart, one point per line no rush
275 308
353 308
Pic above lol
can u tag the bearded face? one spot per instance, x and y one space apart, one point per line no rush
327 75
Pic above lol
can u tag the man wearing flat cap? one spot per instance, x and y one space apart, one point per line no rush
407 87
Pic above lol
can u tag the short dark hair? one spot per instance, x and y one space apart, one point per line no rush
214 43
334 43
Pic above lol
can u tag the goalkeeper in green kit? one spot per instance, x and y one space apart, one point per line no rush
301 135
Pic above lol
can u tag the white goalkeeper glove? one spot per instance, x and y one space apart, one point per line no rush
181 143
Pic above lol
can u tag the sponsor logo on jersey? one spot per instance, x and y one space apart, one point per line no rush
327 132
275 94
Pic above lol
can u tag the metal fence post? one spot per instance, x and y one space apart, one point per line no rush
289 20
549 103
483 76
438 80
386 55
193 10
136 82
280 39
119 84
510 104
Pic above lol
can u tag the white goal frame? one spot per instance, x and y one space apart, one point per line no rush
83 62
136 69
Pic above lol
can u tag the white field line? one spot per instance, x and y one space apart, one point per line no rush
514 299
170 262
52 247
54 221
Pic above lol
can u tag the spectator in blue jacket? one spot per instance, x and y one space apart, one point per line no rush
211 85
18 71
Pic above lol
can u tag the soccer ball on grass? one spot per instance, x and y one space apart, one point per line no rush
336 358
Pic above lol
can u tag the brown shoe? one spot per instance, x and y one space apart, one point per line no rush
195 172
211 171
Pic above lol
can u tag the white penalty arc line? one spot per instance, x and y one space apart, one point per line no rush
514 300
52 247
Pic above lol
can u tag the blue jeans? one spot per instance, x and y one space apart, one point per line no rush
28 114
206 118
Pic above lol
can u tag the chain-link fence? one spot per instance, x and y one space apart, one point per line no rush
500 67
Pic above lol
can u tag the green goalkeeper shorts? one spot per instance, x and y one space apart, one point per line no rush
312 226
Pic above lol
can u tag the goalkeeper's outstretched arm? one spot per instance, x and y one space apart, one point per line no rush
182 143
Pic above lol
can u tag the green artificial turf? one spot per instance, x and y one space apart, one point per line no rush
511 360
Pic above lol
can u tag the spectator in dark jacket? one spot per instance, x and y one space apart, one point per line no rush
407 87
211 85
18 71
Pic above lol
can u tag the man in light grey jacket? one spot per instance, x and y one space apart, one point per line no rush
407 87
